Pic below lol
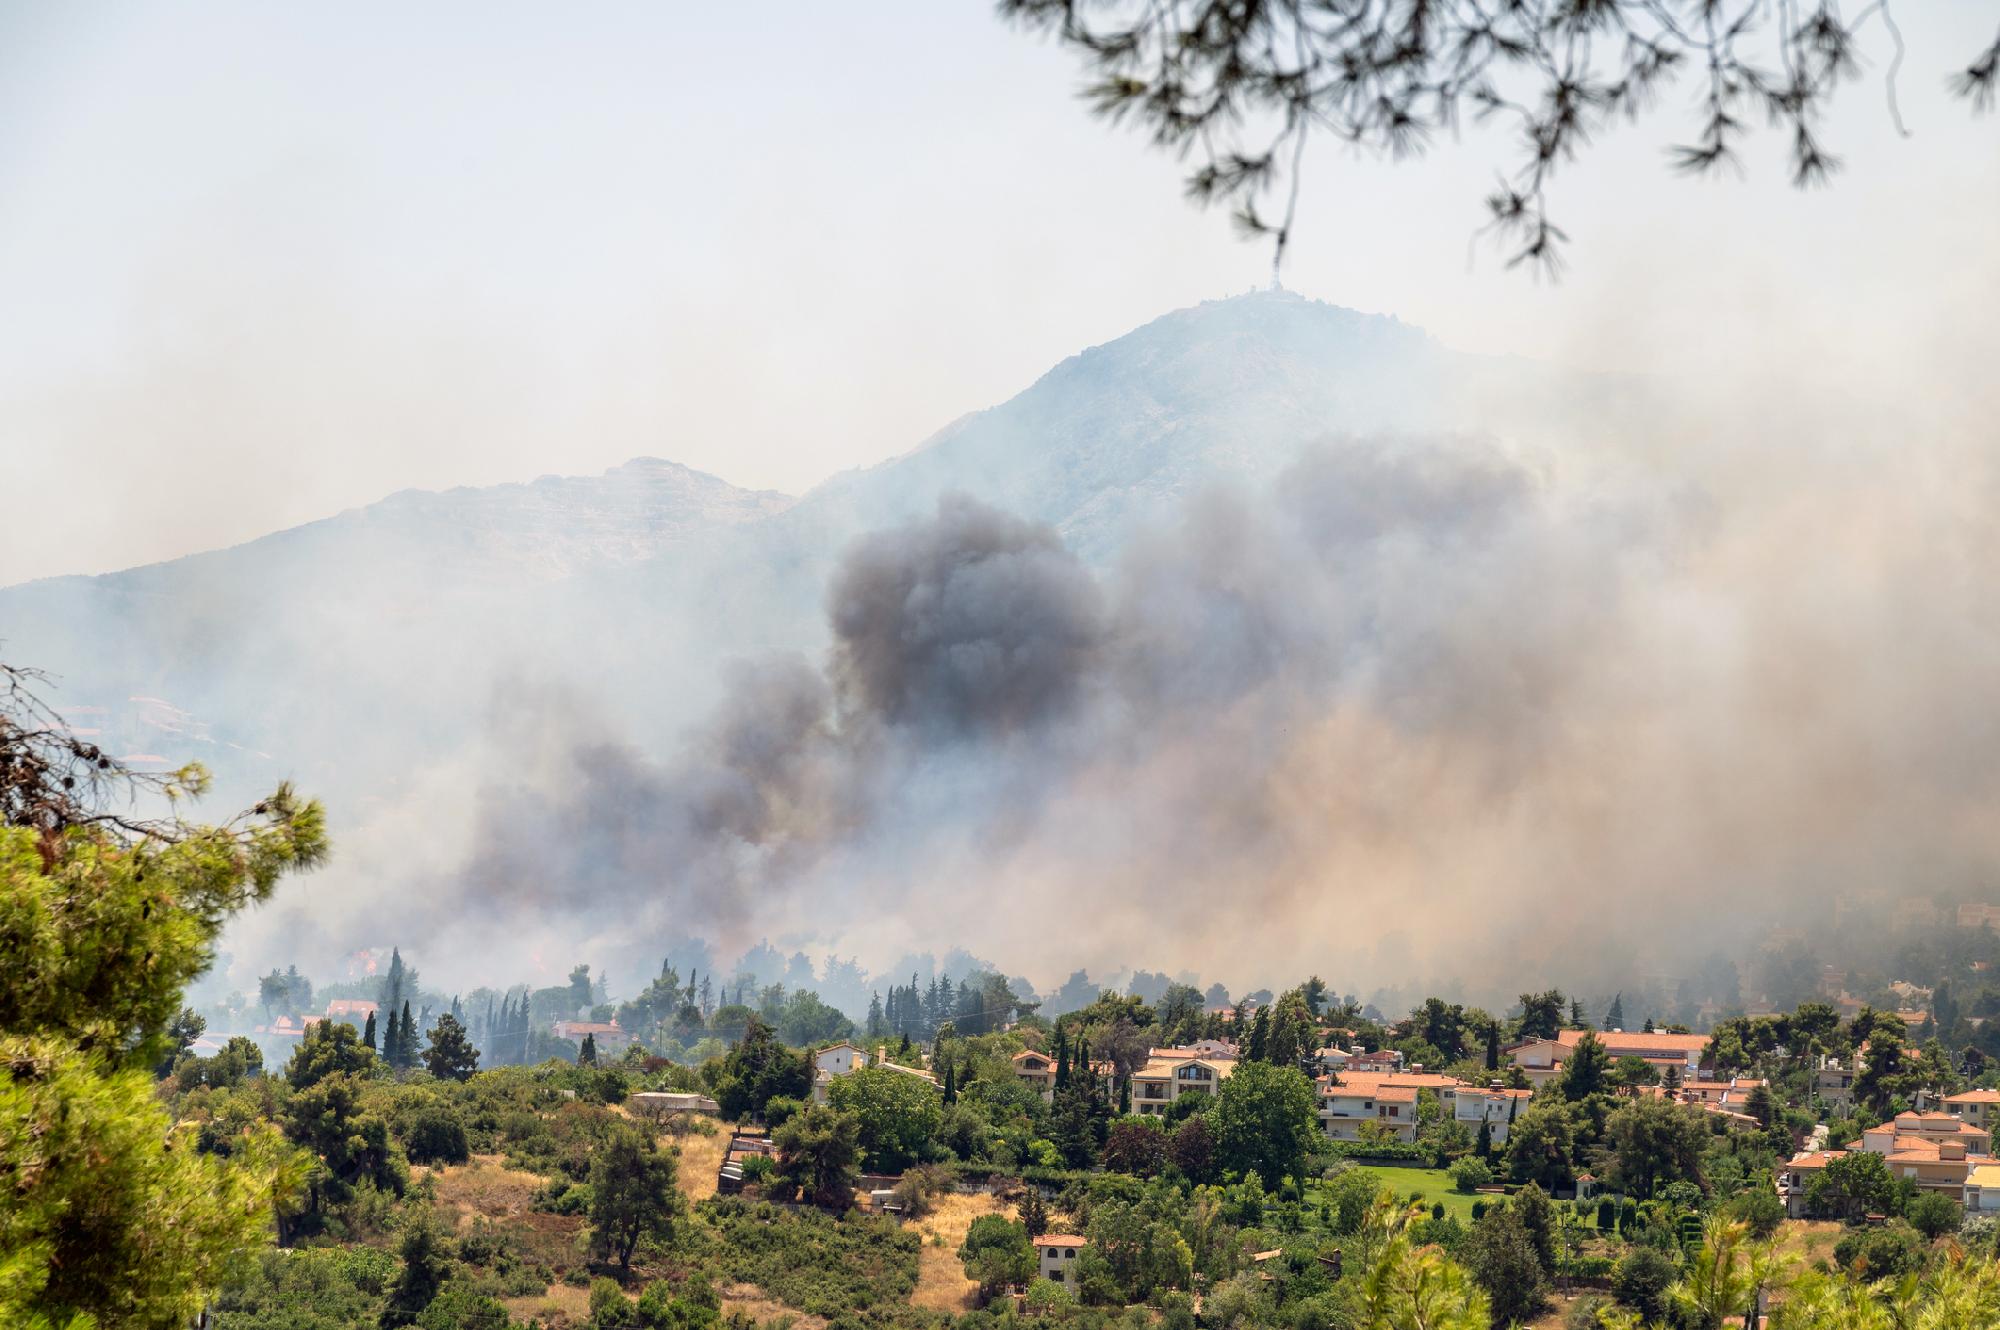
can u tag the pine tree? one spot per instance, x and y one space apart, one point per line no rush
1034 1212
368 1032
451 1055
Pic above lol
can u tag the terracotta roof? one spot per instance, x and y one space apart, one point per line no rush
1061 1240
1811 1159
1974 1097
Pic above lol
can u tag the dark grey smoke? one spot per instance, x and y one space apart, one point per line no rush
974 624
1421 715
981 683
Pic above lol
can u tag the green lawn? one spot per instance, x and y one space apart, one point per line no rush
1434 1183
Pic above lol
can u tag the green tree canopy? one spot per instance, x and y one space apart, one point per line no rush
996 1252
1541 1144
1501 1257
897 1114
450 1055
1587 1070
1655 1142
1265 1121
818 1155
632 1193
757 1070
104 920
328 1048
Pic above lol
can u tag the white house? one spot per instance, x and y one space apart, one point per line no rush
835 1060
1496 1106
1056 1257
1982 1188
1173 1072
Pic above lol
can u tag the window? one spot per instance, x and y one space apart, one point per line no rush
1069 1253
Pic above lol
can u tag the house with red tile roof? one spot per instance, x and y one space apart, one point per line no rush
1542 1059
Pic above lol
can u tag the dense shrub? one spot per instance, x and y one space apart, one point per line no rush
1888 1252
312 1286
436 1135
1759 1207
1934 1215
812 1261
1642 1279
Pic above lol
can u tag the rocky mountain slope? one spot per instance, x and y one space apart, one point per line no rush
349 649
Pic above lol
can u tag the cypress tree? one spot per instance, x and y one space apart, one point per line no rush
368 1032
1125 1097
390 1031
950 1081
406 1039
1483 1147
1260 1036
587 1055
1062 1059
1493 1046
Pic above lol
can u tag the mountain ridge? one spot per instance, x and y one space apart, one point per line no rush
337 644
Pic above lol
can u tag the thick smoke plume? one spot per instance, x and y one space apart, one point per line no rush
1422 715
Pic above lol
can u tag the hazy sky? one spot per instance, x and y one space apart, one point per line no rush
261 263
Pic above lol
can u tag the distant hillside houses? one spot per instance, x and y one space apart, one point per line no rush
1541 1060
1938 1152
610 1039
844 1058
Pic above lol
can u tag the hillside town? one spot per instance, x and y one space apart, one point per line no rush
1563 1162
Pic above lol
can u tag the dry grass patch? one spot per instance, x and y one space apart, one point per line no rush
749 1298
941 1281
559 1307
701 1158
1809 1240
485 1187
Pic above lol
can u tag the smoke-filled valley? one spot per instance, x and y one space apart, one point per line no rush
1268 639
